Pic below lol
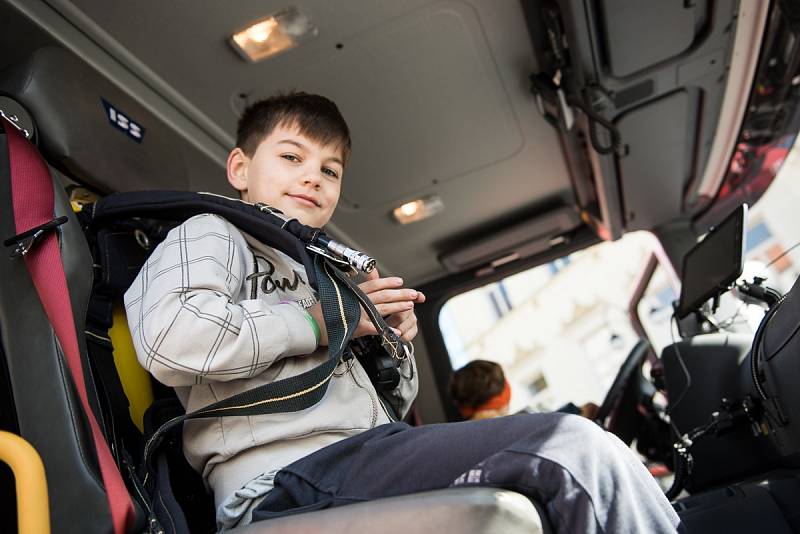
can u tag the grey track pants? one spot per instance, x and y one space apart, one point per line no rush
586 479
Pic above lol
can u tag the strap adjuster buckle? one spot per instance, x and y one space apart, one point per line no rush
23 243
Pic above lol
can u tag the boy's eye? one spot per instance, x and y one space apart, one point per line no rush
290 157
330 172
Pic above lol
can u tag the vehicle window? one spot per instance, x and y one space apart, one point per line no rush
560 330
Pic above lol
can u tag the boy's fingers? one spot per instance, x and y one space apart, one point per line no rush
420 297
393 295
395 319
408 328
410 334
405 322
409 321
376 284
393 307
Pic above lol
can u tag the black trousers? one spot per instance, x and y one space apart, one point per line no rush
586 479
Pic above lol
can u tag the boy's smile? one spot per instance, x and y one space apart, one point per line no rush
292 173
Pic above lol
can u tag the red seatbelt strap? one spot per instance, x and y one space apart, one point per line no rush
33 198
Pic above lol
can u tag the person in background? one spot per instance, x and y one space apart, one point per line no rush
480 391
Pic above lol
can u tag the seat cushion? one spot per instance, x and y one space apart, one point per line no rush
462 510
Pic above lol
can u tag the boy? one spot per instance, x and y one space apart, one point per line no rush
214 313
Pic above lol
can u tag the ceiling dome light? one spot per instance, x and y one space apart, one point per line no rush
408 209
260 32
274 34
419 209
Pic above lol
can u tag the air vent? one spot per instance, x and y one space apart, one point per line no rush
516 242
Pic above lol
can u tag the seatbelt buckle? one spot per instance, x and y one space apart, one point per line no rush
23 243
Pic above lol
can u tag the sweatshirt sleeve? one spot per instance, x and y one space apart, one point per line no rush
187 322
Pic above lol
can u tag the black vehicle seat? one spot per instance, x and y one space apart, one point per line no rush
68 102
736 483
700 372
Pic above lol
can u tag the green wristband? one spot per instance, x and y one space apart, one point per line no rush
314 325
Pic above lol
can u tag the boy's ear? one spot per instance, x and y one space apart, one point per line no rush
237 169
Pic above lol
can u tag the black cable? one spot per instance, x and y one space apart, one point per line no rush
673 405
756 350
787 338
784 253
682 457
681 474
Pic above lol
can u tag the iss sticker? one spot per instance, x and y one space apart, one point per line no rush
122 121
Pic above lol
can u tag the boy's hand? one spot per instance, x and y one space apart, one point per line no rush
392 301
405 323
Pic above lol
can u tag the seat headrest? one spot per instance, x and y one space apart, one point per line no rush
91 128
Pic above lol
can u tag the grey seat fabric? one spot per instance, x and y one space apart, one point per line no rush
462 510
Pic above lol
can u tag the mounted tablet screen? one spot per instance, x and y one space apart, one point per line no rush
714 263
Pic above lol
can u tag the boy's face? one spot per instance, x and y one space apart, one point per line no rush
292 173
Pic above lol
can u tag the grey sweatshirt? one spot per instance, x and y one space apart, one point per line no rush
213 313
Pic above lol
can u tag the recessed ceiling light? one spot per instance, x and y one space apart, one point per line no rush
418 209
274 34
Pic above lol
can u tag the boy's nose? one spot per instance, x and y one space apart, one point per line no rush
312 177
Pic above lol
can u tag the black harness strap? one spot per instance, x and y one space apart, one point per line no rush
288 236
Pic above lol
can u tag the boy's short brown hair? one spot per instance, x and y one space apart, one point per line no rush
315 116
476 383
